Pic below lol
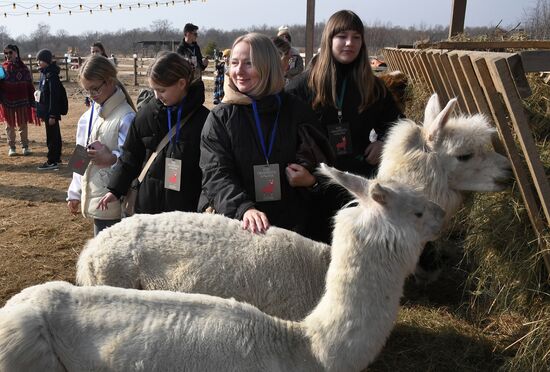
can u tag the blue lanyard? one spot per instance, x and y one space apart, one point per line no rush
267 154
90 122
340 99
172 140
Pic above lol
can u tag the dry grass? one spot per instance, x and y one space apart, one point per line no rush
505 292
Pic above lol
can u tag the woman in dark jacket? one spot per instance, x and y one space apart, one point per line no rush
176 98
352 104
250 145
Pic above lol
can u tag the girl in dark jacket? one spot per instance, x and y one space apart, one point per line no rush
48 107
176 97
352 105
250 142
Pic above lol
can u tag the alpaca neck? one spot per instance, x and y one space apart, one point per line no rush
364 284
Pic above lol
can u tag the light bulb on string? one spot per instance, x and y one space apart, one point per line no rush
49 14
37 6
80 6
59 6
13 5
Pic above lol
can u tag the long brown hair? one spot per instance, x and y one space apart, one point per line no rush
322 78
100 68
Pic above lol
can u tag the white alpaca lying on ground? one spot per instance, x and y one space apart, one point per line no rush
281 272
60 327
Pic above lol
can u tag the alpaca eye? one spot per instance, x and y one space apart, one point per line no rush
418 214
465 157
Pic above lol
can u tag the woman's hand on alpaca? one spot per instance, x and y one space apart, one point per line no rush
74 206
255 221
373 152
100 154
298 176
104 201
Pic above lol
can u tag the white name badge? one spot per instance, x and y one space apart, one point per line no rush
79 160
37 94
172 174
267 182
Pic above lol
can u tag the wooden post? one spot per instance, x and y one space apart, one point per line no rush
457 18
67 68
135 70
310 26
30 66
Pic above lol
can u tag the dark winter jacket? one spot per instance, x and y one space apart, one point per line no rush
149 128
379 116
230 147
50 93
191 50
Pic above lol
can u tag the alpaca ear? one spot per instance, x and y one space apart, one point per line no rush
433 108
437 124
378 194
356 185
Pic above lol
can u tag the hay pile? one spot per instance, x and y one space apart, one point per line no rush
506 290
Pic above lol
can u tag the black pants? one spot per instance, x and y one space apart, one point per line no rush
53 140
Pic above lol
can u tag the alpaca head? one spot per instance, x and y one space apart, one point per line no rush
445 156
386 211
464 143
397 82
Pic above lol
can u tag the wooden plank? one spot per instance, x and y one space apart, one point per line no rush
484 45
388 55
442 92
463 84
535 60
499 113
505 85
453 81
473 84
518 74
414 76
404 64
429 72
420 68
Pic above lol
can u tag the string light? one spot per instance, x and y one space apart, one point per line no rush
29 8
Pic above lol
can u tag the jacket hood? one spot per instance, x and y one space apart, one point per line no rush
232 94
52 69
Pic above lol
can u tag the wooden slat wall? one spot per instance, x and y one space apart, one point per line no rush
493 84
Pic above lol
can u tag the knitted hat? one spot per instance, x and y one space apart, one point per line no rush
45 56
226 52
284 30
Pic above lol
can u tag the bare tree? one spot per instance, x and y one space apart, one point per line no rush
537 20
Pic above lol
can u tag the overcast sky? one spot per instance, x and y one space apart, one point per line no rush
233 14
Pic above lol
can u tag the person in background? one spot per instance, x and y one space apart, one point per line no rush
283 47
352 105
250 144
48 99
176 97
221 69
191 51
16 99
101 130
296 62
97 48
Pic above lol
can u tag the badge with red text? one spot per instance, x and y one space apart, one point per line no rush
172 174
79 160
339 136
267 183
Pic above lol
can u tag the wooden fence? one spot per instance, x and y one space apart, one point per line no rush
494 84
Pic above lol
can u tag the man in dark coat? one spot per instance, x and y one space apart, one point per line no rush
191 51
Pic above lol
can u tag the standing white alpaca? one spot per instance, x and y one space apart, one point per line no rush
281 272
60 327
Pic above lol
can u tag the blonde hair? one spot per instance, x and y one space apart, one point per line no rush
168 68
100 68
265 58
322 79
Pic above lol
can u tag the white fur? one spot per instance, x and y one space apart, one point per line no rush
281 272
60 327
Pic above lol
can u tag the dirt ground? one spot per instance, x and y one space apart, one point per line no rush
40 241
